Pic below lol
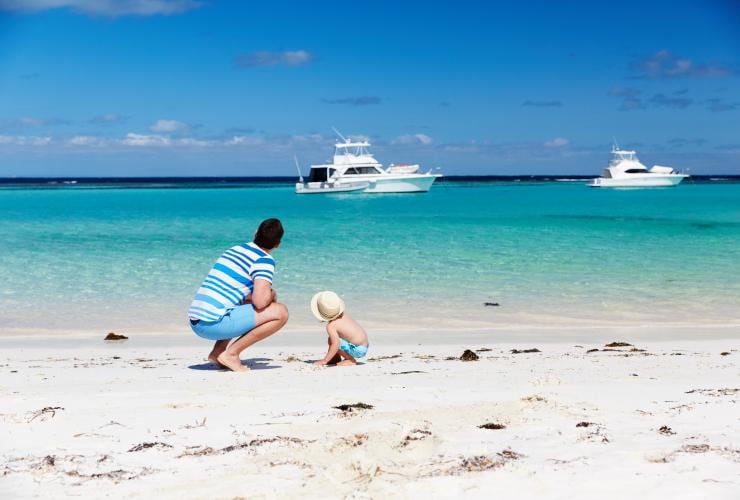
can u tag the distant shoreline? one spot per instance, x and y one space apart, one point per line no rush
158 182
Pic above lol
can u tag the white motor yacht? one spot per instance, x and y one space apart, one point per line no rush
353 166
626 170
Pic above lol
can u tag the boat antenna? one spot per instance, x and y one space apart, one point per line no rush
300 177
615 144
339 134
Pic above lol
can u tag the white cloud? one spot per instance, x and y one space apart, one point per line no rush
111 8
167 126
191 141
108 118
664 65
244 140
422 139
28 121
558 142
31 122
132 139
308 138
85 140
455 148
266 58
22 140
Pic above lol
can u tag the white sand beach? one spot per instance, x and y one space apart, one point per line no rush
149 417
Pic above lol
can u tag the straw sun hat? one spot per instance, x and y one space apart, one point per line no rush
327 306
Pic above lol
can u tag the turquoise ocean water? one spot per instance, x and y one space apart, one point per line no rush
549 253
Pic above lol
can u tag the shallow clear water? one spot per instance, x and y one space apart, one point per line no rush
557 252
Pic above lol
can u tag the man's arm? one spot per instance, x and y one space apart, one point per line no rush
263 295
333 345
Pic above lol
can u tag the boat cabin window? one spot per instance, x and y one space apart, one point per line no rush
635 171
320 174
360 170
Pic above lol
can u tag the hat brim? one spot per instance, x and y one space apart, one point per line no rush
315 308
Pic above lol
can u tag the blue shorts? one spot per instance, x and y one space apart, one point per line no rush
235 323
356 351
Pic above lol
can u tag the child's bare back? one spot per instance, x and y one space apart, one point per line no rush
349 329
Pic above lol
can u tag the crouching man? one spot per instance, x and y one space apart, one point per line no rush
236 300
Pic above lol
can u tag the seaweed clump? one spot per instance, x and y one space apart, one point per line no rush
469 355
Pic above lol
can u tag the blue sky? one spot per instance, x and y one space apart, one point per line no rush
187 87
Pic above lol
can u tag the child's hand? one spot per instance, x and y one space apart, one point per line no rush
320 362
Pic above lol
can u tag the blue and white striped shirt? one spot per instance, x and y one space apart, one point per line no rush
231 280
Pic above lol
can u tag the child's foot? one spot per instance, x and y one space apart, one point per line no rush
232 362
347 362
335 360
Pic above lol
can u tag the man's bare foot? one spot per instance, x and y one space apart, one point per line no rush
347 362
219 347
213 358
232 362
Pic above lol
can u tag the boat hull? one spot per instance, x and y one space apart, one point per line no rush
324 188
646 181
401 184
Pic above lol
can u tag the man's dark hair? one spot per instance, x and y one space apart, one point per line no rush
269 234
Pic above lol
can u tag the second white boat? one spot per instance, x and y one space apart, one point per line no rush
625 170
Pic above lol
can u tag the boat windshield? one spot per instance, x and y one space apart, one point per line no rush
320 174
351 148
619 155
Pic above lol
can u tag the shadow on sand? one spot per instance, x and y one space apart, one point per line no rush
252 364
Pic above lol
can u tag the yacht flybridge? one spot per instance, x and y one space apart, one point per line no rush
625 170
354 169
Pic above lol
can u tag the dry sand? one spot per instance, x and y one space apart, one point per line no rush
149 417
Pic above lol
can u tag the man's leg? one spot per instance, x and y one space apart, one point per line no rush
219 347
269 320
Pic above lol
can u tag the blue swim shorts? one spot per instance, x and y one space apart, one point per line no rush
356 351
235 323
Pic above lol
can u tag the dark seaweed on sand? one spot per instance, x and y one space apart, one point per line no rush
469 355
492 426
48 410
524 351
144 446
353 407
115 336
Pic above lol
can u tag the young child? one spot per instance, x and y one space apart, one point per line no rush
347 339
